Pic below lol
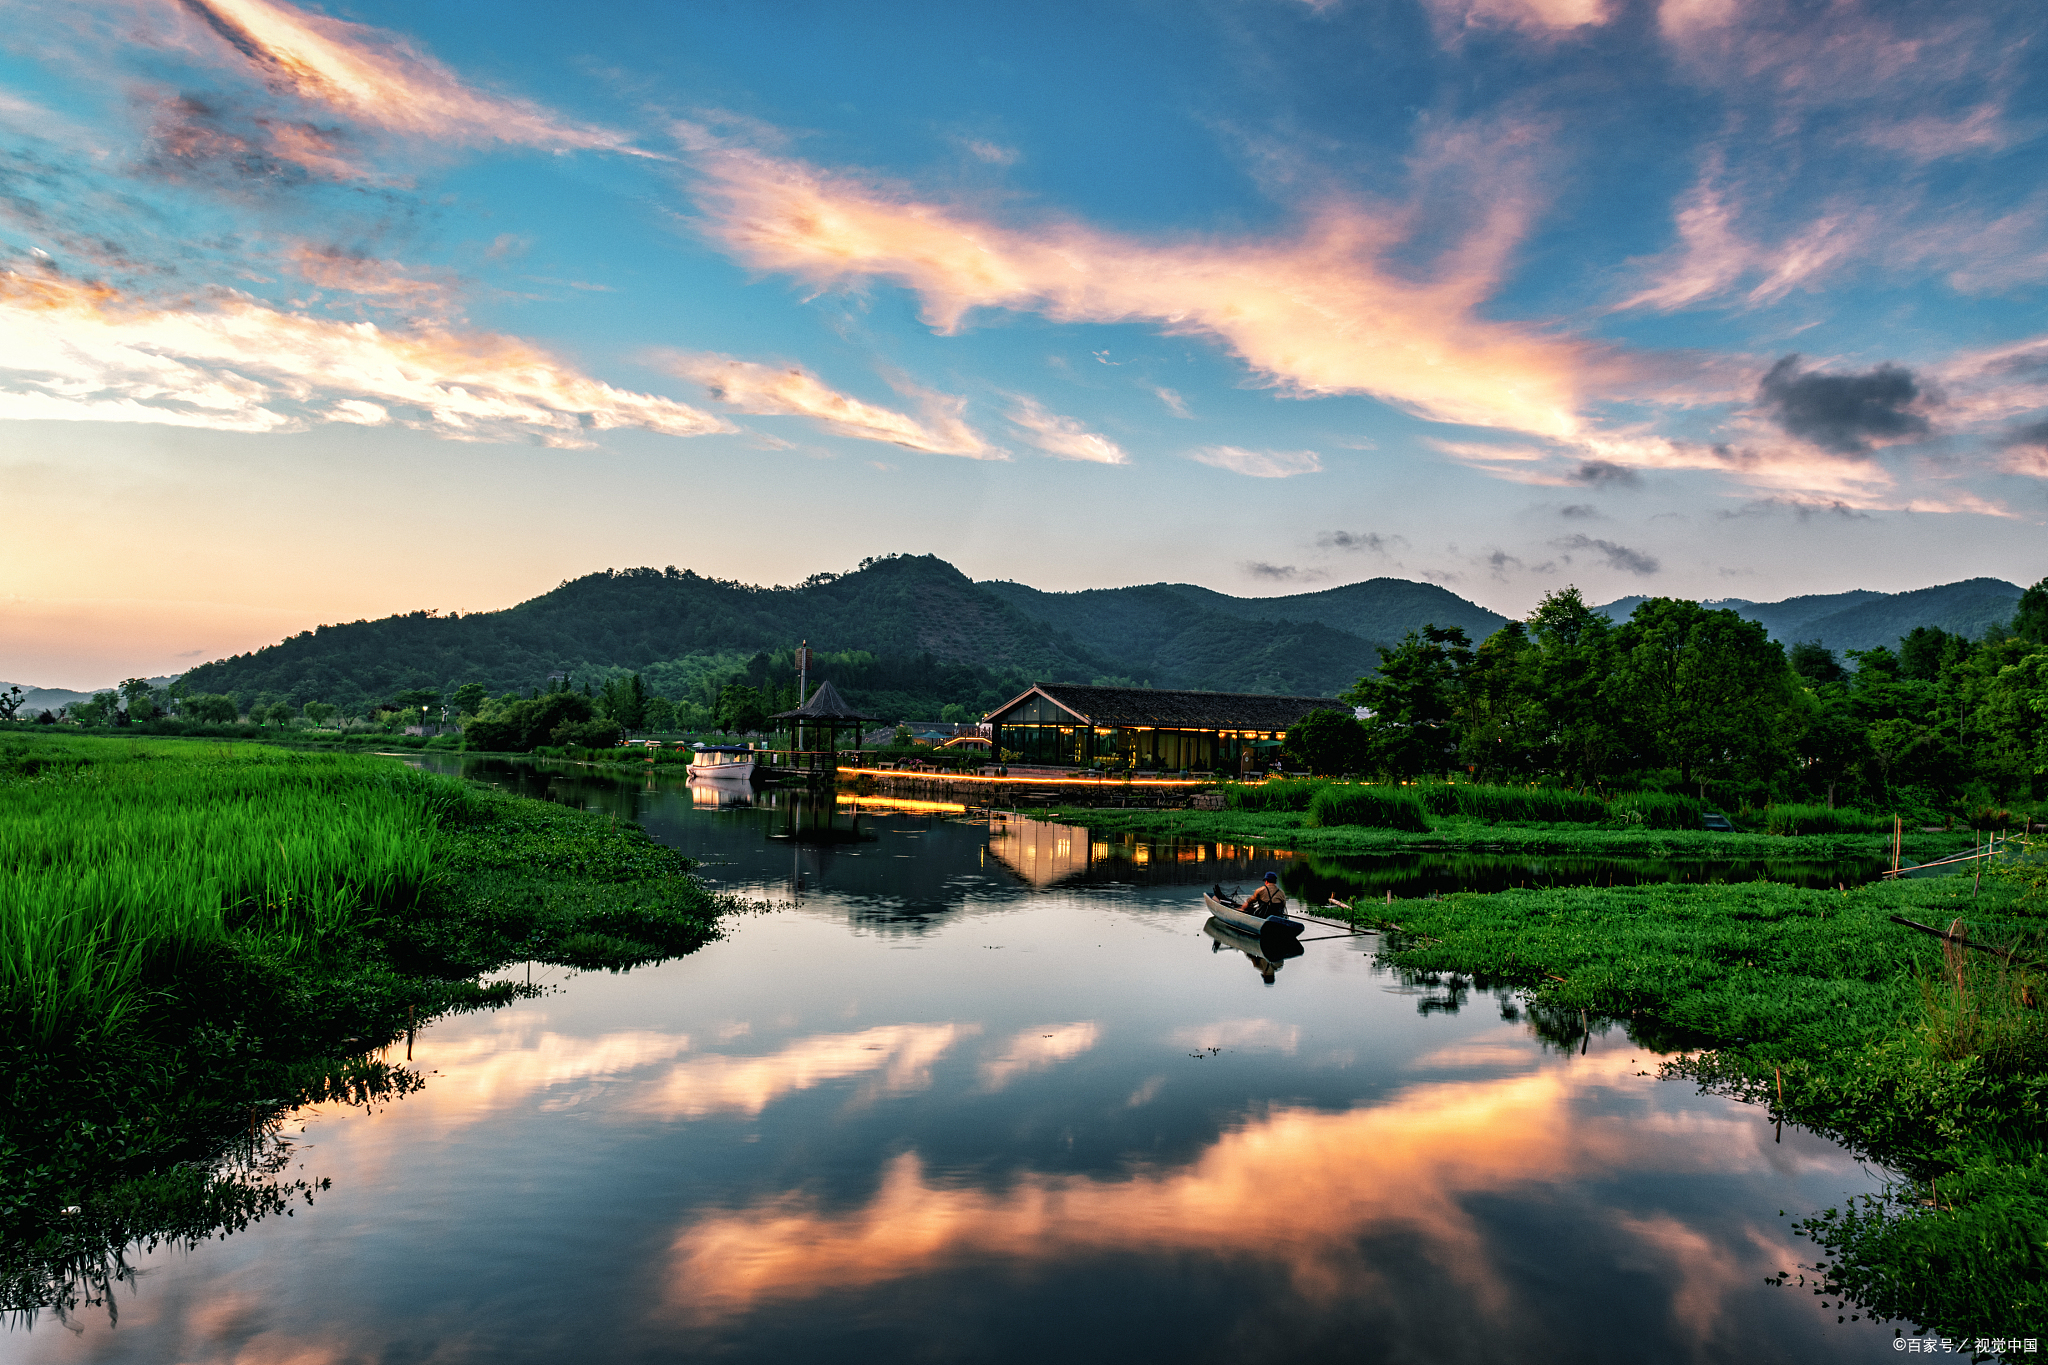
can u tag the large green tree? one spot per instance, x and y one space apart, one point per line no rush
1702 691
1414 700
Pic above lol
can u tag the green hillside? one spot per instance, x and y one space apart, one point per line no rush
912 614
909 634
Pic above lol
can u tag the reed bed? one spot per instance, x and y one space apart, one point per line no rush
1792 819
1657 810
1372 807
1542 805
118 859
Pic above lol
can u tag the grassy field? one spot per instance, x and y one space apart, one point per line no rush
1929 1059
196 936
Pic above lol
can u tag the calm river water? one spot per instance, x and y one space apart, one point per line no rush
987 1092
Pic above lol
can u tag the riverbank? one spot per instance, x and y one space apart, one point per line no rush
196 936
1290 830
1930 1060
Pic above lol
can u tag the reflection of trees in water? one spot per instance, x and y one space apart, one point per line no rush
62 1261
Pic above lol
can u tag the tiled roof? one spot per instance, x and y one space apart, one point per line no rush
1177 709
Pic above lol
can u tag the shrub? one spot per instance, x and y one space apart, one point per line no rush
1657 810
1372 807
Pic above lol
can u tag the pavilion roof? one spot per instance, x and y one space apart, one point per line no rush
824 704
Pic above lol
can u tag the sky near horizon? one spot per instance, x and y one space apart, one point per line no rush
310 313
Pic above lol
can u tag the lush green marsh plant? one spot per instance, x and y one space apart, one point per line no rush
1793 819
1657 810
1375 807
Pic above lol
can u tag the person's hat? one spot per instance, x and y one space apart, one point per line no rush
1272 876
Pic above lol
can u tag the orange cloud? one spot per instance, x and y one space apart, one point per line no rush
377 78
794 392
1415 1163
1063 436
77 352
390 282
1321 310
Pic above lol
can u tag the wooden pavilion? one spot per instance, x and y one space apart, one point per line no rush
825 710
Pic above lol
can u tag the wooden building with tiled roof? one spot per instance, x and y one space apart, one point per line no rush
1069 725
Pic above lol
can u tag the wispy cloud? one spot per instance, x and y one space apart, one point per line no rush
1175 404
1360 540
1062 436
1319 310
1282 573
1259 464
791 391
377 78
1615 556
78 352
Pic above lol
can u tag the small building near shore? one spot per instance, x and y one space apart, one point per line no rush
1146 727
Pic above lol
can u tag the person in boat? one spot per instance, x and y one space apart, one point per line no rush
1268 899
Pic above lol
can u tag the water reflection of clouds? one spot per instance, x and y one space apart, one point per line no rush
1241 1033
902 1054
1034 1049
1299 1187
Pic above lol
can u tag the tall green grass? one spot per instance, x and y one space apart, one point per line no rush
1657 810
1823 820
1372 807
1285 794
118 858
1546 805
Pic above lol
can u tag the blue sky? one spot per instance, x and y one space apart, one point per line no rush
312 313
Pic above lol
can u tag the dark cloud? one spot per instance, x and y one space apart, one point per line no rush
1617 556
1607 474
1578 511
213 139
1500 561
1843 412
1279 573
1805 511
2032 434
1359 540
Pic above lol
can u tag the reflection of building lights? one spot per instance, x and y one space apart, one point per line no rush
1142 854
1099 849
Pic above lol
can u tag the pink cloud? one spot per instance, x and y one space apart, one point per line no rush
1063 436
1320 310
378 78
770 391
79 352
1535 17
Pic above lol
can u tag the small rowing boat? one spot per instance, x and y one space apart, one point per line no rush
1269 928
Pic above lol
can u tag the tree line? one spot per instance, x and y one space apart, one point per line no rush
1683 697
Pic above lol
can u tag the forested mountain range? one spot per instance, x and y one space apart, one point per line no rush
1865 620
910 634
